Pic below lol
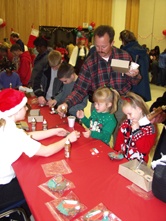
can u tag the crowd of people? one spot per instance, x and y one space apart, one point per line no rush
118 100
157 66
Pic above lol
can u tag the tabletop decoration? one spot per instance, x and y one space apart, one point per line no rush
56 186
66 208
99 212
115 156
35 113
64 111
94 151
57 167
33 124
44 124
53 111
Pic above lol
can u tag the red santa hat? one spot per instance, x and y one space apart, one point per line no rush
82 38
11 101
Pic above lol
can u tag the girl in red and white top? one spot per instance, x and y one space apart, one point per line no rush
136 135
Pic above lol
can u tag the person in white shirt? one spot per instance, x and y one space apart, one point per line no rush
79 54
15 141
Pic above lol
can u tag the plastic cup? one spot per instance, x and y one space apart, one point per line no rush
71 120
134 66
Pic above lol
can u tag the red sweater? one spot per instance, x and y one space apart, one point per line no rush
136 144
25 68
63 52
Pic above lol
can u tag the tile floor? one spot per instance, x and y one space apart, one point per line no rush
156 91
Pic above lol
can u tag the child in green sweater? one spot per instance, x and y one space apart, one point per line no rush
102 122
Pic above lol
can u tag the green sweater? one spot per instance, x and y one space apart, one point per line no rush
101 125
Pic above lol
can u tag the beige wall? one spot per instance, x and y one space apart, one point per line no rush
21 14
118 18
152 21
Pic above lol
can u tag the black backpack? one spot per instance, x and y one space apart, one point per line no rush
159 182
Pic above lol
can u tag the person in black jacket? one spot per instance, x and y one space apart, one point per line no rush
41 60
140 56
160 118
46 85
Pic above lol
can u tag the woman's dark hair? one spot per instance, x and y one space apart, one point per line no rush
157 50
127 36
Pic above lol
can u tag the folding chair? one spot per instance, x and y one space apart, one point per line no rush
16 207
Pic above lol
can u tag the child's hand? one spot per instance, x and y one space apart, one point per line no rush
80 114
87 133
73 136
134 125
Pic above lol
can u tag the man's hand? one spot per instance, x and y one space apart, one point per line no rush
132 72
41 101
51 103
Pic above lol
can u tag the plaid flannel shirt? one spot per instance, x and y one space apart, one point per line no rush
97 72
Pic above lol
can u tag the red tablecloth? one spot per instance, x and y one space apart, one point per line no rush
95 177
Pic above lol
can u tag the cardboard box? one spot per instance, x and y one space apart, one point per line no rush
121 66
141 176
34 112
37 118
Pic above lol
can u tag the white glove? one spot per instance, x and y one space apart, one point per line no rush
25 89
161 161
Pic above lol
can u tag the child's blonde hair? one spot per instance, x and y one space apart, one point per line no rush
135 101
2 122
54 58
105 94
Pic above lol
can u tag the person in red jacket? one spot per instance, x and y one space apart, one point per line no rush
62 50
24 65
136 135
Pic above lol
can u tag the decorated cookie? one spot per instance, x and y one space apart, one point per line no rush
139 172
69 207
94 215
148 178
52 184
57 183
115 156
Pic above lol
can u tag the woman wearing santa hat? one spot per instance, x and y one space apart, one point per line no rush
15 141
